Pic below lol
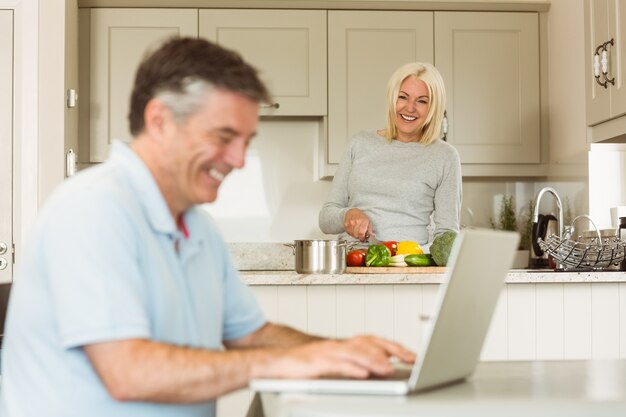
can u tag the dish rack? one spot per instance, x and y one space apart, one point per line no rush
596 254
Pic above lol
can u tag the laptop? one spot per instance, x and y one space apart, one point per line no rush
453 340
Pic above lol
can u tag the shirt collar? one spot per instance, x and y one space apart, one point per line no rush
144 187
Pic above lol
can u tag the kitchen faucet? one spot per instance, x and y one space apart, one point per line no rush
559 207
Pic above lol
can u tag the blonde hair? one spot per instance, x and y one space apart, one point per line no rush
432 128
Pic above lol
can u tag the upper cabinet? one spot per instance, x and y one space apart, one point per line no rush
288 47
490 65
119 38
364 48
335 64
605 20
489 62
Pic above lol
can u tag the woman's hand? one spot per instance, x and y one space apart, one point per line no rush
357 224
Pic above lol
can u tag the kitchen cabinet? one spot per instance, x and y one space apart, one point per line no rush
6 147
118 41
490 64
364 48
288 47
605 20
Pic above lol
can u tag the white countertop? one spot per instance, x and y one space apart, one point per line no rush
539 388
273 264
515 276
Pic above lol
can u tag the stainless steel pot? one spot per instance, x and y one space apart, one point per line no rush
320 256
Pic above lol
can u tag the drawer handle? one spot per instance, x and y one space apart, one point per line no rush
270 106
601 64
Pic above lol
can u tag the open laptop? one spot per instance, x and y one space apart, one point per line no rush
452 343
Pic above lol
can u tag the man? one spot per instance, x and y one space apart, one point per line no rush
127 294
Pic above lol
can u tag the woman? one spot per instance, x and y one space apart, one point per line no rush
391 181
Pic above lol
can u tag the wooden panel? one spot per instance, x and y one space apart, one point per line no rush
288 47
267 297
605 321
496 346
596 33
521 318
429 295
292 306
549 321
622 320
6 142
322 310
531 321
350 310
378 310
364 48
407 305
617 25
577 321
490 65
119 40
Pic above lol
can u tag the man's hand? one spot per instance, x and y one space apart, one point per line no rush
358 357
145 370
357 224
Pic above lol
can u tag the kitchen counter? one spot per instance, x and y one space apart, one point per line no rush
515 276
273 264
524 388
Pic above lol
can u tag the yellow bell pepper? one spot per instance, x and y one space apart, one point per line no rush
409 248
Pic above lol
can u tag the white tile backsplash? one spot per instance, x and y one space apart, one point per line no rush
276 196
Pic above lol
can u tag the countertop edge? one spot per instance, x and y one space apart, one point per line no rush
258 278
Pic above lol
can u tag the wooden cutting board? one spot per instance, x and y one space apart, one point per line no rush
396 269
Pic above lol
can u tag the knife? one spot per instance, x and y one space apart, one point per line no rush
371 239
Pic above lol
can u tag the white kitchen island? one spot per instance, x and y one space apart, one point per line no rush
541 315
514 389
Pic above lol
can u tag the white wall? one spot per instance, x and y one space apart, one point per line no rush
276 197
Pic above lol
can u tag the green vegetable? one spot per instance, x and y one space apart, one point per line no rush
423 259
441 247
377 255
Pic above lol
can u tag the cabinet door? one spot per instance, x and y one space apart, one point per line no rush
6 146
617 26
119 40
596 33
364 49
288 47
490 64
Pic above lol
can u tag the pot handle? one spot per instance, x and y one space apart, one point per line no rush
292 246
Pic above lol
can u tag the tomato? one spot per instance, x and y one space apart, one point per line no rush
356 257
392 246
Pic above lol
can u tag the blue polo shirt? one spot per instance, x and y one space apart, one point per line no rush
102 265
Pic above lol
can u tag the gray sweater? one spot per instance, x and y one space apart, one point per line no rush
398 186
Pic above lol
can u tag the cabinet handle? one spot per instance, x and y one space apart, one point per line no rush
601 64
270 106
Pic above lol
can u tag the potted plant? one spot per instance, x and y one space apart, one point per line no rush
507 220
